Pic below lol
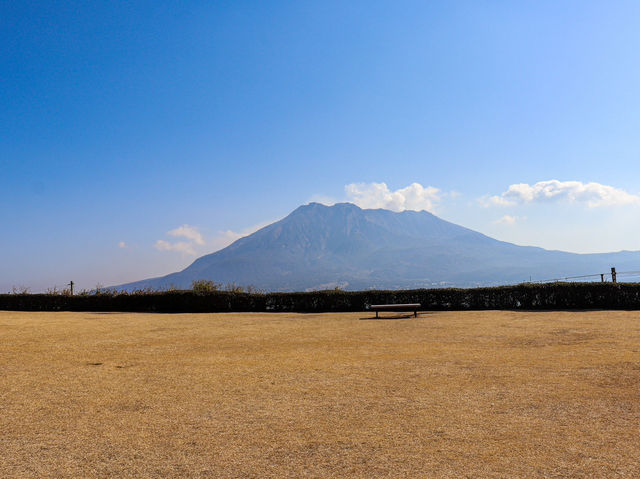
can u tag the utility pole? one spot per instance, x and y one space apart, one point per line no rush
71 287
613 275
602 277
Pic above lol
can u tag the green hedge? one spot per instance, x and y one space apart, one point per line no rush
525 296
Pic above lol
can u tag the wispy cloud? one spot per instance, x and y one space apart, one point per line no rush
190 232
185 247
592 194
506 220
488 201
195 242
378 195
193 238
122 244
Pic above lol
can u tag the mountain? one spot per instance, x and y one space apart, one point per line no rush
321 247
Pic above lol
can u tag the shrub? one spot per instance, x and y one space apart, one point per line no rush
233 288
204 286
21 289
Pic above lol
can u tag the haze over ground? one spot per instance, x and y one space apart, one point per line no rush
135 138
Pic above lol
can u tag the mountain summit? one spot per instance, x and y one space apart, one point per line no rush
322 247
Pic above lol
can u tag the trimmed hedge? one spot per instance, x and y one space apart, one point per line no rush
524 296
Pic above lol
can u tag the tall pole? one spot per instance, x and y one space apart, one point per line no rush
71 287
613 275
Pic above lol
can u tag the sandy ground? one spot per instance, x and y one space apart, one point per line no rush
454 394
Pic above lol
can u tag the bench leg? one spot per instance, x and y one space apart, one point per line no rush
415 313
376 314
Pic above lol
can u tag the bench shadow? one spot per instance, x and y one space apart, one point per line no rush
393 318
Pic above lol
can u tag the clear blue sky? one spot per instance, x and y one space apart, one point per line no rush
122 121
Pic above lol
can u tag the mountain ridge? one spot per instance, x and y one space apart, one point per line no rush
318 246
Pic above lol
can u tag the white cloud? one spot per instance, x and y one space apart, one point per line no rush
506 220
185 247
488 201
378 195
122 244
190 232
195 243
592 194
193 238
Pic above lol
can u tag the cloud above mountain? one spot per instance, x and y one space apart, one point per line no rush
185 247
378 195
506 220
191 233
592 194
192 242
192 239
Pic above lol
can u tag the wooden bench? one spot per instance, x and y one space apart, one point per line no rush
396 307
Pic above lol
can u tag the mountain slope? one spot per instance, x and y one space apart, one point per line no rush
318 246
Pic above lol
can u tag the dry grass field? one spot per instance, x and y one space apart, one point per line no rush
454 394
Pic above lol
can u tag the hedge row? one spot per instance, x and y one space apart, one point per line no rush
526 296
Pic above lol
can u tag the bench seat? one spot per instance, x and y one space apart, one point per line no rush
396 307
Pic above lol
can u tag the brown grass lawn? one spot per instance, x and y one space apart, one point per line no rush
455 394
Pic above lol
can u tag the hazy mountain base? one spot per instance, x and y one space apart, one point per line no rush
320 247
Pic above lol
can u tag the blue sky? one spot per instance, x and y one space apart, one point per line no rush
135 136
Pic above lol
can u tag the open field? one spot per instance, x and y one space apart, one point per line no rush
452 394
